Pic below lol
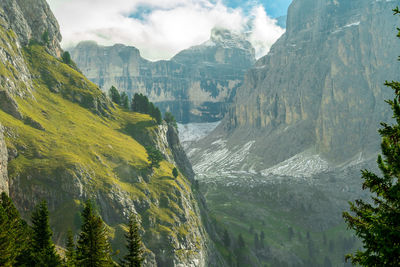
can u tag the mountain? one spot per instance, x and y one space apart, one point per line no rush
319 92
281 21
66 142
286 159
196 85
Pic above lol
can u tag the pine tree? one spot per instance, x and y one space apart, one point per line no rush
93 248
43 251
170 119
290 233
241 243
175 172
70 253
66 58
124 100
227 239
114 95
154 156
134 258
256 241
377 224
262 237
13 232
157 116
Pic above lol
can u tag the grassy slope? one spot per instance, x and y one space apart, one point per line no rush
75 134
238 212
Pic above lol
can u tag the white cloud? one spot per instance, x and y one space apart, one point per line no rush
264 31
165 29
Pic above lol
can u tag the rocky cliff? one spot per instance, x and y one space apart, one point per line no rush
67 142
320 89
31 20
287 158
196 85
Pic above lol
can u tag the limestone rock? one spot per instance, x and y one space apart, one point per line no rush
196 85
30 19
321 85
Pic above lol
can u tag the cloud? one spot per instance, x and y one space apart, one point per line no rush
159 28
264 31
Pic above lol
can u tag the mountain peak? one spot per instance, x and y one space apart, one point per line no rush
228 39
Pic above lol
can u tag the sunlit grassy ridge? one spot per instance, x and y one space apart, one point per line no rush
73 144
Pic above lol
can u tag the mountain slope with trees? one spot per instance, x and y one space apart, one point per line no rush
67 142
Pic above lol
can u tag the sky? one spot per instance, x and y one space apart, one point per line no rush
162 28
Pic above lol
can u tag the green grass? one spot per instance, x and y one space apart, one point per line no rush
86 140
237 213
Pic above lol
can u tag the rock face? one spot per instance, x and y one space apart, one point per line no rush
196 85
30 19
22 22
320 88
3 163
302 127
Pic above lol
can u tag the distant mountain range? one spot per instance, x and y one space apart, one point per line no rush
196 85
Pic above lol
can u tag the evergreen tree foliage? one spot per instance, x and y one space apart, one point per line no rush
227 239
256 241
43 251
141 104
13 232
154 156
377 223
241 253
114 95
70 253
124 100
157 115
170 119
241 243
290 233
93 248
175 172
66 58
134 258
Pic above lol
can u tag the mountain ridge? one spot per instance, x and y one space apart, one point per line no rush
196 85
295 100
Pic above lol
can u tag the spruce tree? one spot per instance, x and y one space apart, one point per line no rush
256 241
43 251
124 100
70 253
227 239
170 119
175 172
157 115
13 232
134 245
93 248
241 243
154 156
377 223
66 58
114 95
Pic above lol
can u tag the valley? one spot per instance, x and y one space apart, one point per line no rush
254 162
